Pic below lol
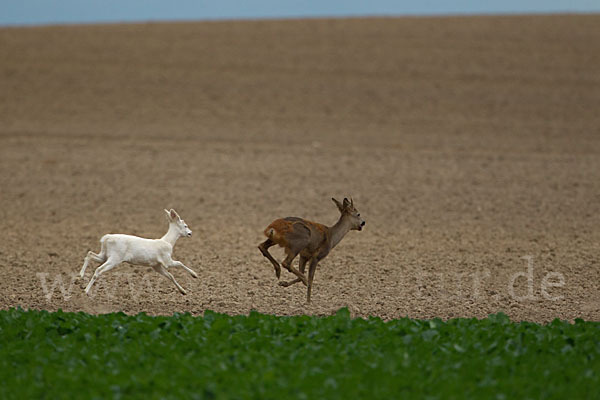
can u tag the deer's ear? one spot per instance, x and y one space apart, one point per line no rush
338 204
346 202
168 213
174 216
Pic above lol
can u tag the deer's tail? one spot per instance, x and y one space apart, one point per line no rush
270 232
278 230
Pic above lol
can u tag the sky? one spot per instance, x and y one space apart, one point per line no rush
43 12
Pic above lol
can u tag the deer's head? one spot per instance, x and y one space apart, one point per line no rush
179 224
348 211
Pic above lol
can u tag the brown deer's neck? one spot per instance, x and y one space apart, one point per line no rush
339 230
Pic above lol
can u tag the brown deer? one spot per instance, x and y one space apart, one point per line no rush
311 240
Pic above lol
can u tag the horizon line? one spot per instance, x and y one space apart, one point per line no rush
133 21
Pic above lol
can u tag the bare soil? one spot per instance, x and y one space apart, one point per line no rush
470 146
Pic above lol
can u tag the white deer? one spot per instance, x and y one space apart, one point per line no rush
155 253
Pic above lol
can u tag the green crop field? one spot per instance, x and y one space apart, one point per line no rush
68 355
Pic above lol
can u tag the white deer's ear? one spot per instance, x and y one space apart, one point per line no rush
346 202
173 215
168 214
338 204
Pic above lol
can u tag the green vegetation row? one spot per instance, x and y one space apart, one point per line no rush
77 355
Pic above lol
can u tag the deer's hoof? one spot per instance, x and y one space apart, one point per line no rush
195 275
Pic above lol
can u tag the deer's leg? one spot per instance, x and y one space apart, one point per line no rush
264 249
107 266
163 271
303 261
287 264
180 264
91 256
311 275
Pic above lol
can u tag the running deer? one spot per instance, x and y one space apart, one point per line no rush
155 253
313 241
